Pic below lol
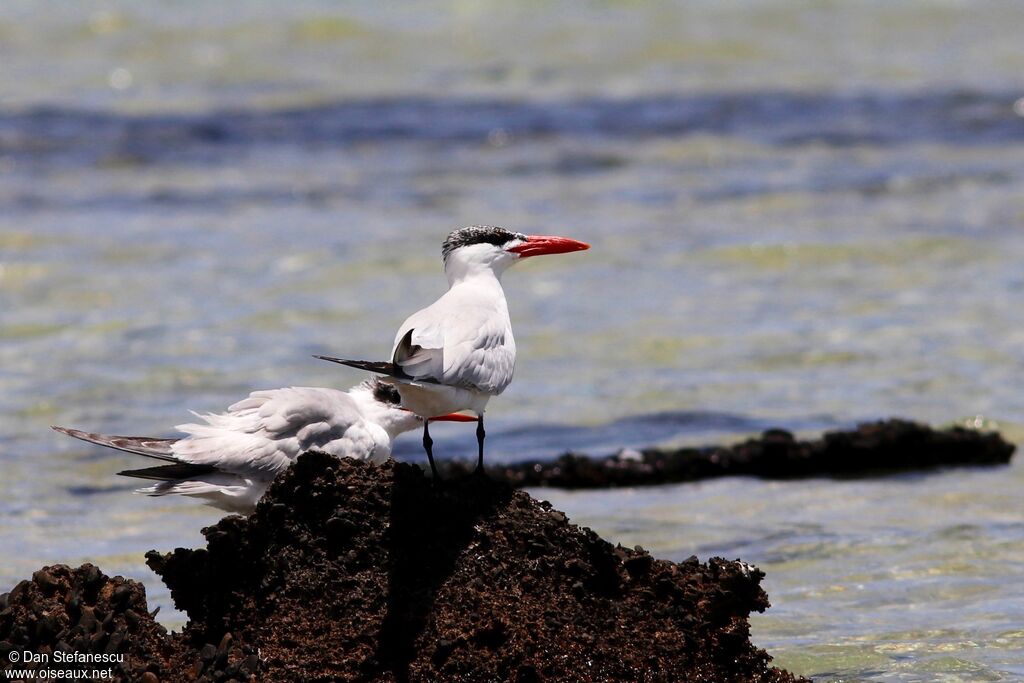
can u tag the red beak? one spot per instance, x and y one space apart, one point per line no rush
538 245
453 417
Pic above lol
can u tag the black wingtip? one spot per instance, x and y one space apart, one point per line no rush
341 361
73 433
332 359
175 472
381 367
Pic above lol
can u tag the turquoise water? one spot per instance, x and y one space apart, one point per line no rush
802 214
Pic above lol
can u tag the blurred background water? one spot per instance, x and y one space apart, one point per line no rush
803 214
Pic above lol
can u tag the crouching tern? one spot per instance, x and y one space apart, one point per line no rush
459 352
231 458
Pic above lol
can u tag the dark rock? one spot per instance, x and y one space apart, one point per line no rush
45 618
469 581
876 448
347 571
45 580
87 622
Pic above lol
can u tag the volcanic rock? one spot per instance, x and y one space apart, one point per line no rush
872 449
350 572
80 621
63 610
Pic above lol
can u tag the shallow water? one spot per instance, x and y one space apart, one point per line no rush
803 215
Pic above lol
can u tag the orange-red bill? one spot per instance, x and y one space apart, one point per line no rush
539 245
453 417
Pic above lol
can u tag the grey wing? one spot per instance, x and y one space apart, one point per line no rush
161 449
461 340
484 363
265 433
419 350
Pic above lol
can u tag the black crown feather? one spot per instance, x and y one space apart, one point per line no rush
383 392
478 234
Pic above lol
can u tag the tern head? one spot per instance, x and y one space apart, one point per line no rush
488 247
381 402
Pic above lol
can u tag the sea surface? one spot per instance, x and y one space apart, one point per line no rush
803 214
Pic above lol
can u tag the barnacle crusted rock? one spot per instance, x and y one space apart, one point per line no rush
353 572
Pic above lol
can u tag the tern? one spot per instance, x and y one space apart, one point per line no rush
231 458
458 352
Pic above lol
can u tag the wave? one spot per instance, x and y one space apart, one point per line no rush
75 136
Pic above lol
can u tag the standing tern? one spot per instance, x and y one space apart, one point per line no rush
459 352
231 460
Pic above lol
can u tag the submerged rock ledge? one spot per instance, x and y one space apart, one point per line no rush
348 571
875 448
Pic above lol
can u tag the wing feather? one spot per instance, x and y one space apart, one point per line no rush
464 339
161 449
263 434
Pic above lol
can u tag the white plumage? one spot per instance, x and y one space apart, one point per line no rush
265 432
458 352
229 459
461 347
